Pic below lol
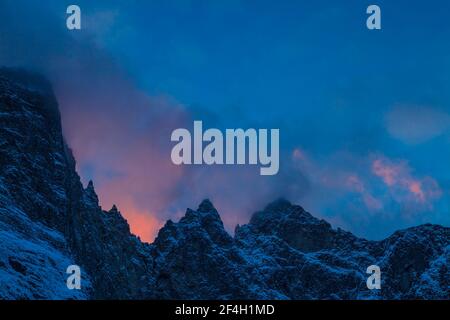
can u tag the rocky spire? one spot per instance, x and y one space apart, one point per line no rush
206 206
90 193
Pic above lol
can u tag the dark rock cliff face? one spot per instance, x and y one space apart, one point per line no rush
48 221
38 179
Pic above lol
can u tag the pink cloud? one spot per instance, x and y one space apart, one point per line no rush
355 184
416 188
382 185
387 173
399 179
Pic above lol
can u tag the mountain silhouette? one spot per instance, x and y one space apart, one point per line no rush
49 221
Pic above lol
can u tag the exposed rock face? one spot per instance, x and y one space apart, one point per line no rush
41 190
311 260
48 221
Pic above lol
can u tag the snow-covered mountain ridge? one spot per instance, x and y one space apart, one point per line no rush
48 221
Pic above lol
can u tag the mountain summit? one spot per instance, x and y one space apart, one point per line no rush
49 221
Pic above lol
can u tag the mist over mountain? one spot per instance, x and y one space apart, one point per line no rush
49 221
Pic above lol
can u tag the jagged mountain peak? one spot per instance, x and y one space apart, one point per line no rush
279 205
90 194
282 211
48 220
202 228
297 227
113 209
206 206
90 185
206 214
90 188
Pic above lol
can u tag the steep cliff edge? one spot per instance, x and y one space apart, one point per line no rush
41 189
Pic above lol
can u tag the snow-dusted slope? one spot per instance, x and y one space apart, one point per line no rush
285 253
33 259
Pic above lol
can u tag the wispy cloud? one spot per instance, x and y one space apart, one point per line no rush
366 189
404 186
414 124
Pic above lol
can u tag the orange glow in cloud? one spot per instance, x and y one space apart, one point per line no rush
416 188
143 224
388 173
127 153
378 180
397 176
